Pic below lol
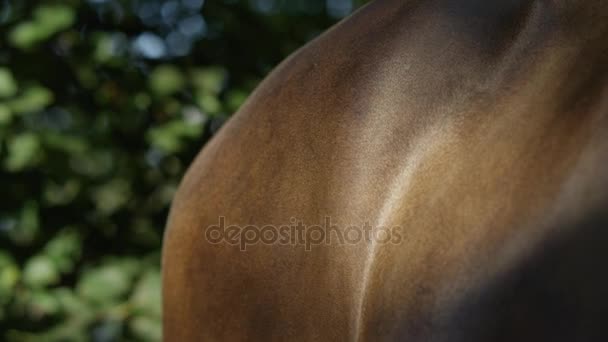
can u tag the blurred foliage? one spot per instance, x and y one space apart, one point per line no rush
103 103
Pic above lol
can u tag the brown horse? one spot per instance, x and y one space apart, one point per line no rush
455 151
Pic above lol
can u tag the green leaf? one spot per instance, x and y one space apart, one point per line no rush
65 143
95 163
209 103
235 99
73 327
61 194
54 18
5 115
112 196
64 250
146 328
27 34
170 136
105 47
142 101
9 275
146 297
29 224
23 151
86 75
43 303
71 302
166 80
48 20
39 272
33 99
209 80
8 85
107 284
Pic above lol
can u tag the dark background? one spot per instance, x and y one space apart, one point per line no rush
103 104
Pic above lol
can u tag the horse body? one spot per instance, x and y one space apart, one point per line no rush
474 130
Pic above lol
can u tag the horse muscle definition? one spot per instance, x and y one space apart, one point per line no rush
472 133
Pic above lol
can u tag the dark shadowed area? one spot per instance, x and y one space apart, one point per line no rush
561 288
